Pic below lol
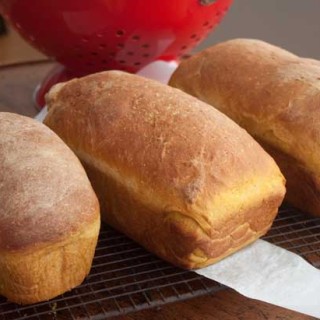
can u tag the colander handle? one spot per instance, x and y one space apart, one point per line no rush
207 2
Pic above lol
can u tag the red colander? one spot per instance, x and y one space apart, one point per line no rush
90 36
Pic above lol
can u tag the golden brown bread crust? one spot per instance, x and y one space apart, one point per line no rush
303 185
171 172
273 94
49 214
30 276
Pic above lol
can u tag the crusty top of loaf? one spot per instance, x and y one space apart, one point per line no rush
269 91
45 195
176 152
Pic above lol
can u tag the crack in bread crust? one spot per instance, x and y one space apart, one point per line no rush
177 236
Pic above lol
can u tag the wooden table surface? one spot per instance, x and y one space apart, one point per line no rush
17 84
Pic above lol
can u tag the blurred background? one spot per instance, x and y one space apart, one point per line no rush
292 24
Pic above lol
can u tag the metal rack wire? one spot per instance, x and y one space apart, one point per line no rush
125 278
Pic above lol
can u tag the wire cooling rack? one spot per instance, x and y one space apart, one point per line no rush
125 278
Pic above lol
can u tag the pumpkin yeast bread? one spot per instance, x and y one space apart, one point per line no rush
275 96
49 214
170 171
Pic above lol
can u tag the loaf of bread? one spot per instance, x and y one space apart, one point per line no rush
49 213
275 96
171 172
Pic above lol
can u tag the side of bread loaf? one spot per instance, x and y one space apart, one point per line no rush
171 172
49 213
275 96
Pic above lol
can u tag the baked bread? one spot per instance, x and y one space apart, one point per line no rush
171 172
275 96
49 214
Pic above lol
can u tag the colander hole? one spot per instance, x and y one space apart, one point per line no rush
102 46
120 33
120 45
79 56
104 61
112 54
135 37
193 36
145 45
122 61
210 27
146 55
130 53
137 63
94 53
90 64
206 23
184 47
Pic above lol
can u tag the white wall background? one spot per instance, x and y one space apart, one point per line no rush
292 24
